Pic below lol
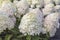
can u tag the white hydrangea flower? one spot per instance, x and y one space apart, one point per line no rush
38 3
22 8
8 7
15 2
49 8
31 23
57 9
51 23
29 2
48 2
5 22
52 31
57 2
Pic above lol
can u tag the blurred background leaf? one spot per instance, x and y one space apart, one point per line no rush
8 37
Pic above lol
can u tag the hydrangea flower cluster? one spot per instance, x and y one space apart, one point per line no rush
7 19
21 7
31 23
51 22
36 3
48 19
36 16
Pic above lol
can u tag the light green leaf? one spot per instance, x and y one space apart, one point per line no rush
8 37
0 38
28 37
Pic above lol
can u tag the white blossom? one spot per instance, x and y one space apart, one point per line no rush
51 23
35 3
8 7
49 8
57 9
5 22
29 2
38 3
31 23
57 2
48 2
22 8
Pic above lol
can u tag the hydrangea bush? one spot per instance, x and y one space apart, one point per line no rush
29 19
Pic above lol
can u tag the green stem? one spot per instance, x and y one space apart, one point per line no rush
47 36
28 37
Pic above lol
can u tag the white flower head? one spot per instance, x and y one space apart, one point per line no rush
49 8
5 22
22 7
51 23
35 3
8 7
31 23
57 9
48 2
38 3
57 2
29 2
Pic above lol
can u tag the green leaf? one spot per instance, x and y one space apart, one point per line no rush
36 38
20 36
8 37
28 37
0 38
15 31
14 39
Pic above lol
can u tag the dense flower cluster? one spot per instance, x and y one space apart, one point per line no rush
35 16
7 19
22 7
51 22
31 23
36 3
49 17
